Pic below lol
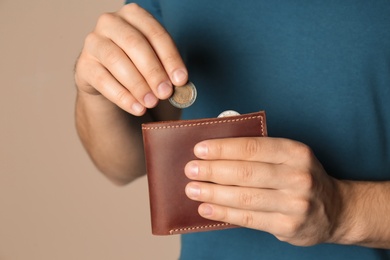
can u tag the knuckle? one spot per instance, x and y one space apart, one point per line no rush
153 73
105 18
251 147
223 215
291 228
245 200
302 206
134 9
90 39
100 81
133 40
123 99
217 149
111 56
138 86
304 180
170 59
92 42
247 219
131 8
246 173
208 194
208 171
303 151
102 49
157 33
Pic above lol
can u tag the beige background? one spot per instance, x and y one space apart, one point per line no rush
54 204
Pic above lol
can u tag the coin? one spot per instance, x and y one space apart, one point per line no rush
229 113
183 96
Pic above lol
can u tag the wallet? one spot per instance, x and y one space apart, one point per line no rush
168 147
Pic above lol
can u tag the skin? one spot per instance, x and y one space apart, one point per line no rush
278 186
124 75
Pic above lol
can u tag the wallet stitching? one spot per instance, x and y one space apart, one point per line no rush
172 231
206 123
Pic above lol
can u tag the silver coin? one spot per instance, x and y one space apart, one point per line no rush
183 96
229 113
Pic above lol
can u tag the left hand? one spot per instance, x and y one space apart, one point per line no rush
270 184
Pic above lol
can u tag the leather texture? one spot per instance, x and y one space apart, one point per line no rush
168 148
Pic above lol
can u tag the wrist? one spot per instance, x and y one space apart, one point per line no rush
362 217
346 225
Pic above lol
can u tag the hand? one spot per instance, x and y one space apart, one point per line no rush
131 60
269 184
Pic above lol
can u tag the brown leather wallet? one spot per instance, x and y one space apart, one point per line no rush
168 148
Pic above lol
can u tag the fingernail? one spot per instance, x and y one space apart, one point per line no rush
150 100
164 90
179 76
137 108
193 191
192 170
205 210
201 150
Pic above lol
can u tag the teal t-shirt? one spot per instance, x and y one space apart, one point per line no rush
321 71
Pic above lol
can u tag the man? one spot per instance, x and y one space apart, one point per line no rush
322 73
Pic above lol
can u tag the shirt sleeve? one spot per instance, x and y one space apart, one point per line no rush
152 6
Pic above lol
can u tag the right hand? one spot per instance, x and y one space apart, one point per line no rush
131 60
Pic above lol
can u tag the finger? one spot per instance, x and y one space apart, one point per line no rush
110 88
240 173
160 40
266 200
135 47
261 149
121 68
270 222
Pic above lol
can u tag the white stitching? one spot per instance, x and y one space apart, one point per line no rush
172 231
204 123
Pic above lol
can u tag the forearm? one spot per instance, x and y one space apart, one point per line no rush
111 136
365 214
